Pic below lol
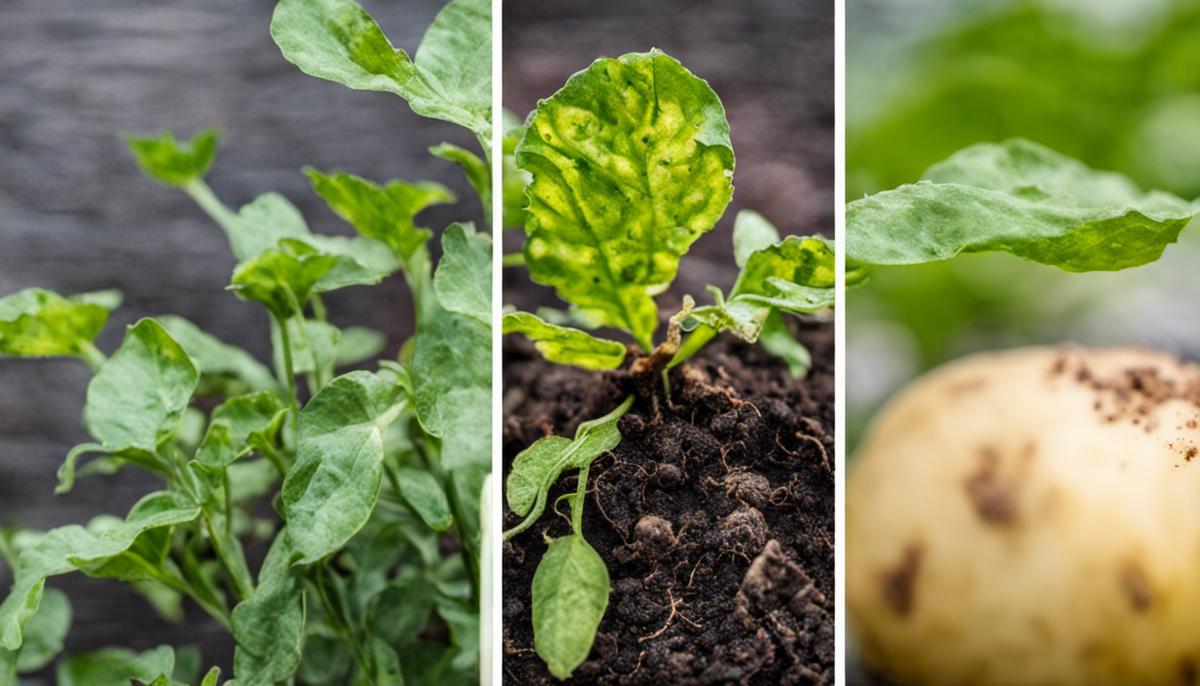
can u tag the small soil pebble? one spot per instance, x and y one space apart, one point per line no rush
655 531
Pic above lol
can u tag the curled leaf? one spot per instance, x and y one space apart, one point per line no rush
565 345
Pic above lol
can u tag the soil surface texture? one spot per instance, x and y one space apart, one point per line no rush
714 516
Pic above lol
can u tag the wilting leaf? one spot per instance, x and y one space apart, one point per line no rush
564 345
1021 198
631 163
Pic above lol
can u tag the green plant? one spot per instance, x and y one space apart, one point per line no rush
624 168
376 476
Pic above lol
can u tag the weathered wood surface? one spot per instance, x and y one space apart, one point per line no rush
76 215
770 61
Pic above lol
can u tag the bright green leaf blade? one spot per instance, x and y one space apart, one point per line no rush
536 468
45 632
216 360
239 425
570 595
751 233
801 260
452 375
1017 197
422 491
339 41
73 547
174 163
513 180
631 163
790 297
476 170
463 280
212 678
283 277
38 323
269 626
564 345
262 223
116 667
739 316
385 213
137 398
331 490
778 341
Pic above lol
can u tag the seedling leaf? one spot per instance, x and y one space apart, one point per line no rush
422 491
570 595
631 162
463 280
39 323
565 345
172 162
117 667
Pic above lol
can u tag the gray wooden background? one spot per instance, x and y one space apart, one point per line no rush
76 215
770 61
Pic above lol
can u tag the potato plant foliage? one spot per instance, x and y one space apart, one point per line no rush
623 169
375 476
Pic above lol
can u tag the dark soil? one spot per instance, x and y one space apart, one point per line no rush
714 516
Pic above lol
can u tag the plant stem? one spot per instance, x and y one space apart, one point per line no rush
268 451
243 592
513 259
212 206
91 355
339 622
288 368
577 502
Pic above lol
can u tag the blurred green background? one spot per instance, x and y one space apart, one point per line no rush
1113 83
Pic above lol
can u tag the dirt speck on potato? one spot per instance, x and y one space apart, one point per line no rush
1136 587
899 581
993 497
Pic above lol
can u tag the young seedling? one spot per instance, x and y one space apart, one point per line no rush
624 168
1079 454
370 472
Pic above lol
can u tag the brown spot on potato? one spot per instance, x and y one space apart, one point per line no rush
898 582
994 498
1187 671
1135 586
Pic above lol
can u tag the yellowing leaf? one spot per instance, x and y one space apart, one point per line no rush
565 345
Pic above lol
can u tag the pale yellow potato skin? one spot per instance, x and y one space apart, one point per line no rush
1073 559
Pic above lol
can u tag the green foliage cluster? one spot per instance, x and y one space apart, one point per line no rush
375 477
613 178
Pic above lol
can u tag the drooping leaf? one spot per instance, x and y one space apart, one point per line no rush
452 375
1021 198
385 213
73 547
45 632
570 595
216 360
425 495
564 345
479 175
450 78
173 162
269 626
631 163
38 323
331 490
137 398
463 280
117 667
536 468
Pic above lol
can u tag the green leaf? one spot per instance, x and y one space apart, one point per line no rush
563 345
315 346
570 595
401 611
536 468
240 425
172 162
631 163
331 490
116 667
73 547
477 171
513 180
283 277
778 341
262 223
463 619
326 661
463 280
422 491
213 678
385 213
1021 198
751 233
450 79
452 378
801 260
269 626
45 632
217 361
38 323
358 344
137 398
